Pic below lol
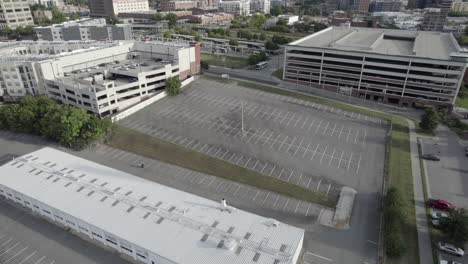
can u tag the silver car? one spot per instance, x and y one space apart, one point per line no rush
451 249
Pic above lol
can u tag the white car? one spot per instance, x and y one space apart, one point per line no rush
439 215
448 262
451 249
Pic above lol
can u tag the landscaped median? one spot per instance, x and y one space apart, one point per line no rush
398 172
152 147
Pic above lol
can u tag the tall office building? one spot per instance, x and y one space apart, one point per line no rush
104 8
15 14
360 6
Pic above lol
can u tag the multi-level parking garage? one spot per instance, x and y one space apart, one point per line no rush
391 66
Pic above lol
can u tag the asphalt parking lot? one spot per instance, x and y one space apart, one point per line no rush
321 244
312 145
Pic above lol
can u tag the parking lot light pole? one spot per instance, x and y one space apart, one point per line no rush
242 116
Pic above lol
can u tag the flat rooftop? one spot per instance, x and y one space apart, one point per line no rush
176 225
424 44
124 72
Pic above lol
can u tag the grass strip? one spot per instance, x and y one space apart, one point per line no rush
227 62
152 147
398 172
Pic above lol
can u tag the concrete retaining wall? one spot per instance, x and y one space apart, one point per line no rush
145 103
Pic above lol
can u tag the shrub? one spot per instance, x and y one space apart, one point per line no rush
173 85
204 65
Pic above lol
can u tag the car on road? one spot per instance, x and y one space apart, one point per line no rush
430 157
438 215
441 204
466 151
451 249
442 261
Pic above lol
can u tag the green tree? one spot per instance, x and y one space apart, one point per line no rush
282 22
57 16
171 19
430 119
28 30
270 45
112 19
280 40
257 20
7 31
256 58
157 17
234 42
38 7
276 11
173 85
204 65
64 125
319 26
75 16
456 226
263 36
168 33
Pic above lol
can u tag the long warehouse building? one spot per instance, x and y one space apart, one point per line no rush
149 222
390 66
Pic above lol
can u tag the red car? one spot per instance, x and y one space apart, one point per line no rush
441 204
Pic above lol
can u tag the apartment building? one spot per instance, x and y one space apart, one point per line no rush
104 8
260 6
389 66
15 13
84 29
237 7
385 6
102 78
459 6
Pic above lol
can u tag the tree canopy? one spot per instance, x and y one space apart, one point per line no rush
430 119
67 125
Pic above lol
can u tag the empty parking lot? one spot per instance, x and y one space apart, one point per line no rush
312 145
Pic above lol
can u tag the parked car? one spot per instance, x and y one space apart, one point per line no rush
436 223
451 249
441 204
448 262
430 157
438 215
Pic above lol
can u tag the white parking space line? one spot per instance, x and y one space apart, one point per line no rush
9 249
26 258
14 256
39 260
318 256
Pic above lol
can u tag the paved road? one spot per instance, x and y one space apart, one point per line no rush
448 177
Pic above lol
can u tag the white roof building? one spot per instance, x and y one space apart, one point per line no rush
150 222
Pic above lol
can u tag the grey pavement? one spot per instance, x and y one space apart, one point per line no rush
447 178
424 239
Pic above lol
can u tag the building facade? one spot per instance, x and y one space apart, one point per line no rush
360 6
433 19
14 14
85 29
237 7
102 78
135 217
385 6
104 8
260 6
47 3
461 7
390 66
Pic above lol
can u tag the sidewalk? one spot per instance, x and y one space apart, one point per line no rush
424 239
